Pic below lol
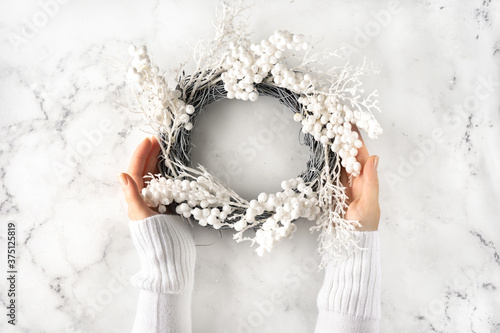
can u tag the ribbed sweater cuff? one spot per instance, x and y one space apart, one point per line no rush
352 287
166 252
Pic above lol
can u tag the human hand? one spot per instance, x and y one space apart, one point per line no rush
143 162
363 192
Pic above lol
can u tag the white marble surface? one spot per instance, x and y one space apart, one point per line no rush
440 194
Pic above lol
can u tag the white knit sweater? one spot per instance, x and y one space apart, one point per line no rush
348 302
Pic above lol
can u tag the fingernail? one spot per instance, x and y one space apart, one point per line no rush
123 180
375 163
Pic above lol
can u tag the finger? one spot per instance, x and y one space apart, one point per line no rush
156 171
370 181
363 154
137 164
137 207
152 160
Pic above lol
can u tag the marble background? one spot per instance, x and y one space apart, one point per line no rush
64 138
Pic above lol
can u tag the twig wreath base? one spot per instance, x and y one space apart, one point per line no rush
326 102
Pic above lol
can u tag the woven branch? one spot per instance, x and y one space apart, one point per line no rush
181 146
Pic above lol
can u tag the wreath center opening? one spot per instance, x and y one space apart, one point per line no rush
251 146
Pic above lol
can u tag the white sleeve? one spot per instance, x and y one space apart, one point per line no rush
349 300
167 256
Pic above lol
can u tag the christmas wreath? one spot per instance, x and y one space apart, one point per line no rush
327 102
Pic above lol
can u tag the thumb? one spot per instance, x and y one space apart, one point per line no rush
370 181
137 207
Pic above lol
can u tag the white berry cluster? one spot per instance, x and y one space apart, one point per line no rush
162 105
196 199
330 123
295 201
241 74
245 67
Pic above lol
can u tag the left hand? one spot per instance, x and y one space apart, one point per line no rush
143 162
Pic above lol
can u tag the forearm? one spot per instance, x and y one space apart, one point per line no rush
167 255
349 300
158 312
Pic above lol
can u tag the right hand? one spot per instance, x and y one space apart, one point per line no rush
363 194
